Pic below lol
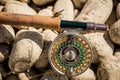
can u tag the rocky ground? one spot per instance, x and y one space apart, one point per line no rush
24 50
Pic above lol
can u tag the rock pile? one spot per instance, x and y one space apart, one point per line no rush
24 50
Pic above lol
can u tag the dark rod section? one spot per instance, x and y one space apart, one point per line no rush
88 26
73 25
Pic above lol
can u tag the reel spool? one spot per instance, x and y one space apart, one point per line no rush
70 54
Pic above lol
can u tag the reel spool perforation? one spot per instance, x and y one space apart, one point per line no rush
70 53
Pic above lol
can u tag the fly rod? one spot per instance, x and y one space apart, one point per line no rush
45 22
69 54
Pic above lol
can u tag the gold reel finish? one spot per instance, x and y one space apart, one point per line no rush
70 54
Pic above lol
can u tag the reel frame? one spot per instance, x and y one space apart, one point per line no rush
83 57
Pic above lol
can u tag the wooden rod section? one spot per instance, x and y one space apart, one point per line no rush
30 20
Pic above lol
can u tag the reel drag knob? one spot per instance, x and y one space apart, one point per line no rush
70 54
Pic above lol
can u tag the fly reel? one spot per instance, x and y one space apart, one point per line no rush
70 54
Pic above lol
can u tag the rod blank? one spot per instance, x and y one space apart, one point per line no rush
46 22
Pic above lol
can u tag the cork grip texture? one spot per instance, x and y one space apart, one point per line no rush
30 20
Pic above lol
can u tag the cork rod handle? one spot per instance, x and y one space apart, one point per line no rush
30 20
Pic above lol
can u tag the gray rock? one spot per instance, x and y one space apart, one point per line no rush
79 3
20 8
0 76
5 1
1 8
117 53
112 18
42 2
114 32
7 34
118 11
48 37
109 68
45 12
76 12
96 11
26 50
67 6
22 76
25 1
101 45
52 75
4 51
87 75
